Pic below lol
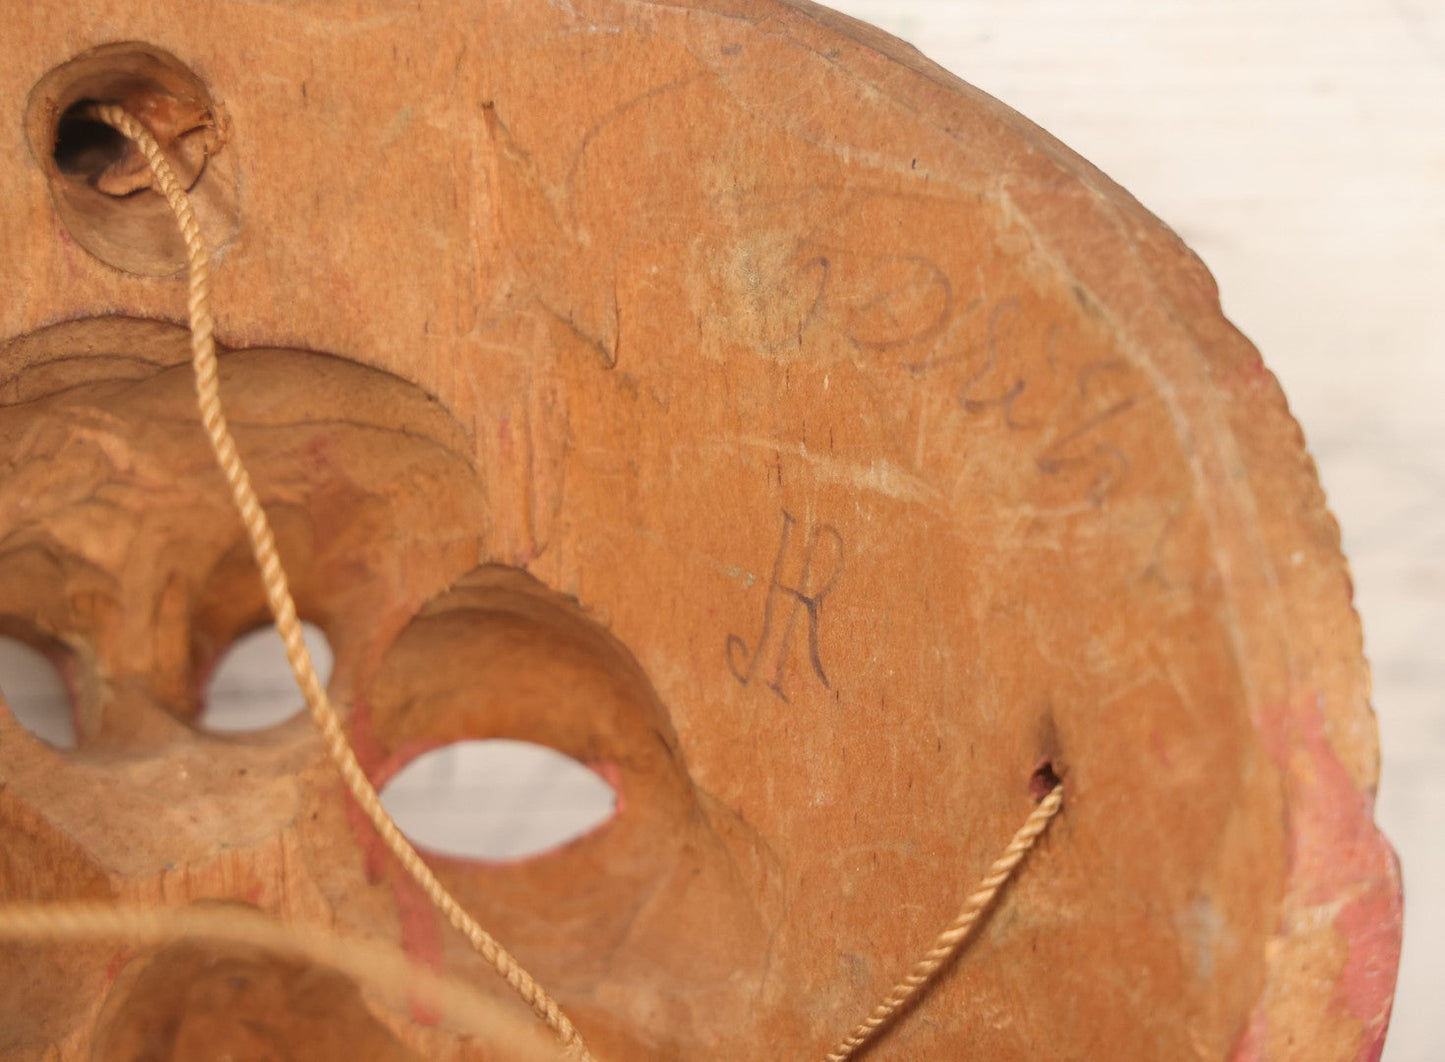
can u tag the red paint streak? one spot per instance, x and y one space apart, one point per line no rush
1336 844
1156 742
612 775
1251 1046
1251 376
421 937
1257 374
1337 858
117 963
403 754
1339 851
369 754
1371 923
1372 1052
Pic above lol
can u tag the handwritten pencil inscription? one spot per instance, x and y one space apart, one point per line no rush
801 581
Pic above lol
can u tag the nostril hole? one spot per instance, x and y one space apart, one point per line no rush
252 688
36 693
85 147
497 800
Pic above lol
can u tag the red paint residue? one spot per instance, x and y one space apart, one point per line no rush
1338 858
369 754
1251 376
1156 742
117 963
1256 1034
612 775
421 934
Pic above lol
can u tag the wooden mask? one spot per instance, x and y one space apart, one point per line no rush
727 397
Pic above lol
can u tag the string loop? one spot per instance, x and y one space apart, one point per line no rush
951 940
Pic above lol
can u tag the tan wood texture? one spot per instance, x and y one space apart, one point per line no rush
731 399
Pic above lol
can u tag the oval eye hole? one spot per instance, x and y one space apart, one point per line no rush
497 801
252 688
37 695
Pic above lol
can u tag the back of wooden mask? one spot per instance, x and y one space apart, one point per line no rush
728 398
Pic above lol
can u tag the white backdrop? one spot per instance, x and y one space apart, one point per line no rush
1299 147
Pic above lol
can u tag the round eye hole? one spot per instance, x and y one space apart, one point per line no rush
38 697
252 688
497 801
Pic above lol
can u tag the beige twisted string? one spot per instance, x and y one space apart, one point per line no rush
278 591
952 939
381 966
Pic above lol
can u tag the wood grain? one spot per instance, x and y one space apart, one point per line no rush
859 444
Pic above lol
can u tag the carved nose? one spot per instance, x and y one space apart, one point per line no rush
119 541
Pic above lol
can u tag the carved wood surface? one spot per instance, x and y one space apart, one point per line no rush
728 397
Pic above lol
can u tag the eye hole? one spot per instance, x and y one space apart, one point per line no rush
252 688
497 800
38 697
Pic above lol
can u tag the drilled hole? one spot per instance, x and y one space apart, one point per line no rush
252 687
85 147
36 693
1043 781
95 172
497 800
